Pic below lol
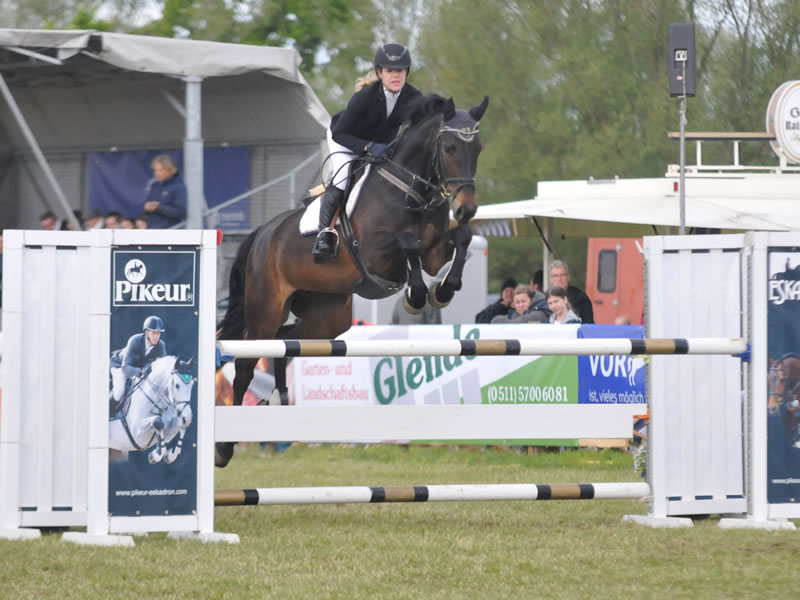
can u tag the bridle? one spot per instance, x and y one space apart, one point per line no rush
436 186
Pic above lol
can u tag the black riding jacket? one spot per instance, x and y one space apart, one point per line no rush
364 120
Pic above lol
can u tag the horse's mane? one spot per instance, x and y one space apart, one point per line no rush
161 371
424 107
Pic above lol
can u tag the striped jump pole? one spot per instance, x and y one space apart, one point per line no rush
432 493
227 349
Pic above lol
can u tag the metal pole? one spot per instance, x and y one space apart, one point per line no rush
683 154
37 152
193 154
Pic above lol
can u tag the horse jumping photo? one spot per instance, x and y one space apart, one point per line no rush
400 226
157 409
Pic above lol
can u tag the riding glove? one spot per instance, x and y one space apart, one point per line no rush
378 150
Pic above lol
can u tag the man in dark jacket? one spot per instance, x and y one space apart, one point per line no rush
577 298
165 195
131 361
366 127
503 304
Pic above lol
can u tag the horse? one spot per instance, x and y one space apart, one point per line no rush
784 386
158 409
399 227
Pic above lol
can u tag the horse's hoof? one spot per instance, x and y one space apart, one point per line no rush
223 452
154 458
412 310
434 301
171 456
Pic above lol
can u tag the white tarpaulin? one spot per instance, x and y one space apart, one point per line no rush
733 202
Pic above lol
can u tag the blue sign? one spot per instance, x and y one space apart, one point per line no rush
611 379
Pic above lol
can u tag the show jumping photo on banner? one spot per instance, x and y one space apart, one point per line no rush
153 396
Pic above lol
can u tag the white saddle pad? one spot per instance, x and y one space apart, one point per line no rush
310 219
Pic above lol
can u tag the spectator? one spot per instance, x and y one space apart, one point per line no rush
537 281
428 316
127 223
622 320
112 220
559 304
579 301
527 307
94 220
66 224
502 305
165 195
48 221
141 221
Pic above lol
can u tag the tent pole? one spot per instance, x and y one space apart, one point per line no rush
193 154
37 152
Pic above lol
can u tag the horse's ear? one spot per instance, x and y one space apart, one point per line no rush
449 109
477 111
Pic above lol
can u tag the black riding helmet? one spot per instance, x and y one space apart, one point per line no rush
393 56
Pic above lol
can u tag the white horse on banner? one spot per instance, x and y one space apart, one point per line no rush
157 409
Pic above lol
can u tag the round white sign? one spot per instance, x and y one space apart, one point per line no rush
783 120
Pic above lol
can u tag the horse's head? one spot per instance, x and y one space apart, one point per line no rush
448 142
458 146
776 380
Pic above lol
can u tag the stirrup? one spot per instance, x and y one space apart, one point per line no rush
325 246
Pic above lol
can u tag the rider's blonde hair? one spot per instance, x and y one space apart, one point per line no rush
366 80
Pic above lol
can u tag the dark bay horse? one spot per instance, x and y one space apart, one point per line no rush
400 227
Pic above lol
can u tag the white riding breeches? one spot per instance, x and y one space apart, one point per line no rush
340 157
117 382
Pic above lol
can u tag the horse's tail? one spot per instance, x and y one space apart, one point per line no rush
232 325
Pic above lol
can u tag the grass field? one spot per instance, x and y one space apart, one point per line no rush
569 549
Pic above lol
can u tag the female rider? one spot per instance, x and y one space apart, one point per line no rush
367 126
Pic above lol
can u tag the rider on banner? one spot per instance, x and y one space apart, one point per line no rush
366 127
141 350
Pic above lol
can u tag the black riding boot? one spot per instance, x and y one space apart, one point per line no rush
324 250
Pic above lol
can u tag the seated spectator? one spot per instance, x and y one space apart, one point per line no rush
66 224
141 221
112 220
622 320
94 220
527 307
165 195
503 304
559 276
559 304
537 281
127 223
48 221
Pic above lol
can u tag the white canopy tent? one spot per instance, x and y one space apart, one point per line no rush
726 201
77 91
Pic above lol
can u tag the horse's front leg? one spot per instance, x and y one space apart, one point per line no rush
184 421
280 395
442 293
157 454
416 293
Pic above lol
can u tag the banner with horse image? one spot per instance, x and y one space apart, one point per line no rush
153 371
783 403
338 381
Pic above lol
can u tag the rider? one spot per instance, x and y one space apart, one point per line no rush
140 351
367 126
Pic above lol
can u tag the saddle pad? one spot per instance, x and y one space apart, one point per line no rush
310 220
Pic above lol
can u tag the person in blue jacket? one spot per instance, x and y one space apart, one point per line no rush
132 361
366 127
165 195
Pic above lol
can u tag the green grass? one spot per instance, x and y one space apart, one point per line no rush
436 550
